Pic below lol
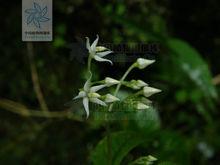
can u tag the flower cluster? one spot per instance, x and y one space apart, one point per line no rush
89 92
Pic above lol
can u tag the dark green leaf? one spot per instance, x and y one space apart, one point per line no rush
122 143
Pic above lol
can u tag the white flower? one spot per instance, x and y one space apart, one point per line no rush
89 94
110 81
142 63
141 106
148 91
94 50
110 98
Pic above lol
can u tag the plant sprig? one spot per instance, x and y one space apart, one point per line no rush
89 91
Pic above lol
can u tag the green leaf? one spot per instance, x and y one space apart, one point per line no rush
174 147
121 143
146 121
193 65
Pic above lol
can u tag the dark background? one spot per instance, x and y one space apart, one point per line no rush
188 107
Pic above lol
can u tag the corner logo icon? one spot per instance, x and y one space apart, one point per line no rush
37 20
37 15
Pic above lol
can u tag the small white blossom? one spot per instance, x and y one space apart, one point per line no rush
94 51
88 94
141 106
110 98
110 81
148 91
143 63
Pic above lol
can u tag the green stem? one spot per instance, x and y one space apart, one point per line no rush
123 78
109 143
89 63
97 82
119 85
108 129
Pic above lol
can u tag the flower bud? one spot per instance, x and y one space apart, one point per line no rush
143 63
110 81
133 84
93 95
100 48
137 84
146 101
141 106
148 91
110 98
151 158
141 83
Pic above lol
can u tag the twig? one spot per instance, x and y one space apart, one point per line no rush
216 80
35 78
24 111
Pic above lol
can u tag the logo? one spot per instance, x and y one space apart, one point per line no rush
37 20
37 15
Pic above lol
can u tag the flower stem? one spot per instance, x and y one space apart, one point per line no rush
89 63
123 78
109 142
97 82
108 129
121 81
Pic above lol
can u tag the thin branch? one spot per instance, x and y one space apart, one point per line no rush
22 110
35 79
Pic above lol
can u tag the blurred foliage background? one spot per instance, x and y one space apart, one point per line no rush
185 128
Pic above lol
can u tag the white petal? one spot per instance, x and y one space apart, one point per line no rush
86 106
87 84
80 95
97 58
88 44
96 88
97 101
93 46
103 54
